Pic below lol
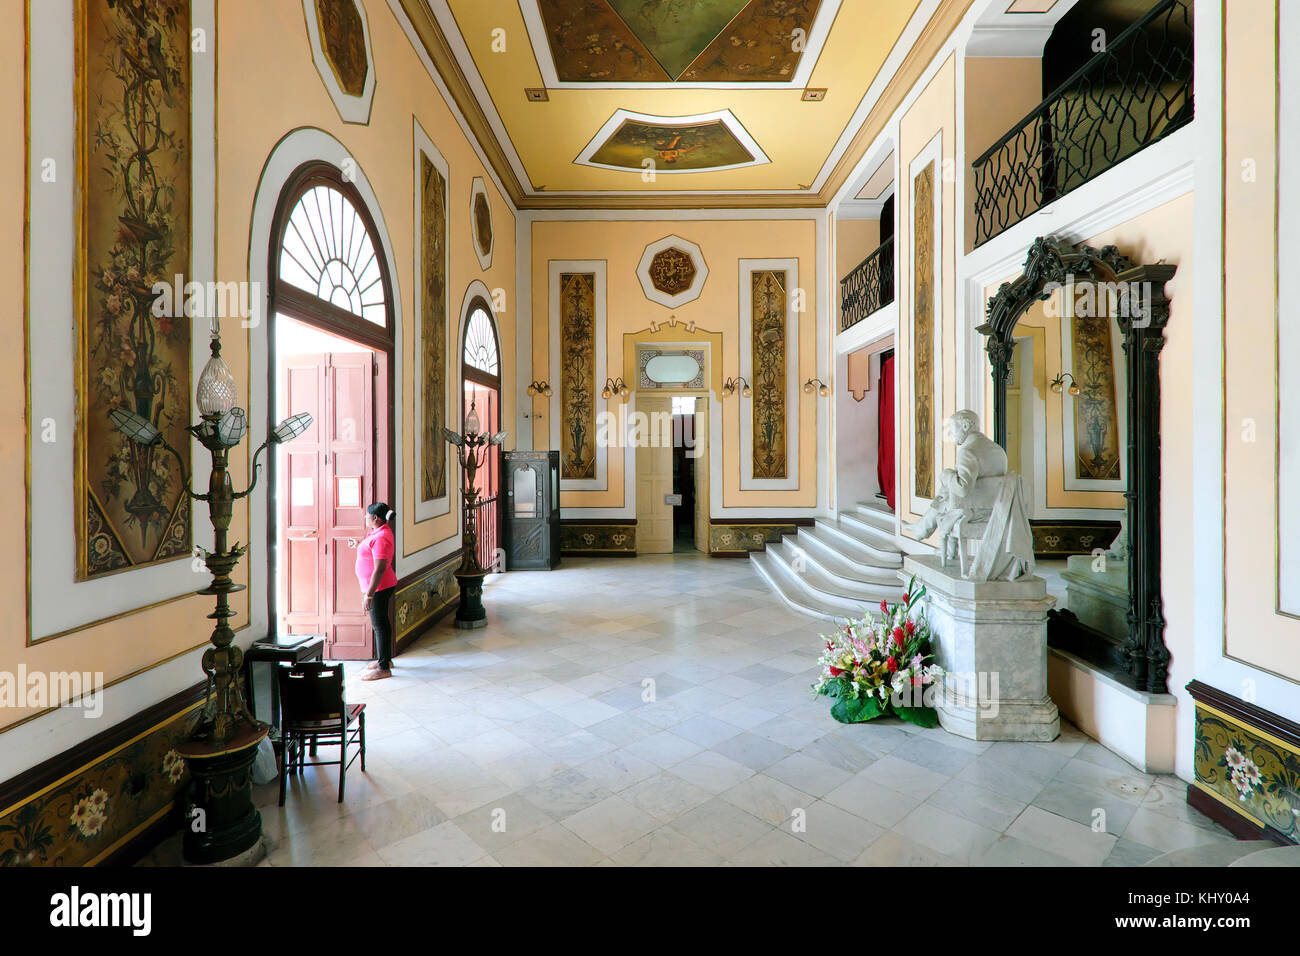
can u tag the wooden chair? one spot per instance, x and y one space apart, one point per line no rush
313 711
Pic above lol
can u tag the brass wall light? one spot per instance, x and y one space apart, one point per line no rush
614 386
540 388
1058 384
730 385
815 383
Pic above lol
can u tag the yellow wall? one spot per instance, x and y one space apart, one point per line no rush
723 243
933 112
855 239
264 61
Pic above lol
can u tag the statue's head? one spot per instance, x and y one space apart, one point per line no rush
960 425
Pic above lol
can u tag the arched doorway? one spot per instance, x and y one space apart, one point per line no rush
331 346
480 375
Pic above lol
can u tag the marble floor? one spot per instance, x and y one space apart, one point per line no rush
657 712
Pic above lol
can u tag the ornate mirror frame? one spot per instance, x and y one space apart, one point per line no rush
1142 660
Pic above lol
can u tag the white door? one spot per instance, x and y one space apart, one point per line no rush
654 477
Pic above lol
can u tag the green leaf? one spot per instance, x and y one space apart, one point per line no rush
920 716
850 711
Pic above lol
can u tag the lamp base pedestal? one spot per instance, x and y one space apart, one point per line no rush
221 822
471 613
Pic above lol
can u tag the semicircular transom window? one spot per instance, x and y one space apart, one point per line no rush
481 343
328 251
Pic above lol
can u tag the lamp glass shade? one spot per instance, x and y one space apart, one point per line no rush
215 394
746 392
498 439
605 392
471 421
291 427
133 426
232 427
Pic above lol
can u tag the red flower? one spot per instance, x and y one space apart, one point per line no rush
911 628
829 646
892 665
898 636
907 598
884 607
835 671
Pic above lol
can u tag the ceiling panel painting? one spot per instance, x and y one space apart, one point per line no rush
714 142
591 43
764 43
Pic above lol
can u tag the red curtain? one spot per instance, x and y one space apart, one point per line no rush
885 448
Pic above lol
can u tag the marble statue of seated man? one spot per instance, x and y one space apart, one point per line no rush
958 496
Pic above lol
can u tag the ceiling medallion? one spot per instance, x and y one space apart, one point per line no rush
340 47
672 271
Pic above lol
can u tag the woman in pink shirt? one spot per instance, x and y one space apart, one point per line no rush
375 556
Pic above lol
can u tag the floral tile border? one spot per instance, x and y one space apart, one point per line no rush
421 601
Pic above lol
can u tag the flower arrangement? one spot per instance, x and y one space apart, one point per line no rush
880 665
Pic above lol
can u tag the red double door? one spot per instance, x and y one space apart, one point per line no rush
326 482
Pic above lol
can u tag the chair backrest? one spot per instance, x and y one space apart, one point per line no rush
311 692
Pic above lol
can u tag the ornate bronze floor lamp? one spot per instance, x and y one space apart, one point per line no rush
221 822
472 449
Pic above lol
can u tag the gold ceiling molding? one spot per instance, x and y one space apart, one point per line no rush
928 44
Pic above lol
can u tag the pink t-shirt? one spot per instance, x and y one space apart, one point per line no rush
378 544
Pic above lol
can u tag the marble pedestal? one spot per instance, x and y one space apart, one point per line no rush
990 637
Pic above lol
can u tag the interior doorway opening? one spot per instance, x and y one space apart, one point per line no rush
481 394
672 474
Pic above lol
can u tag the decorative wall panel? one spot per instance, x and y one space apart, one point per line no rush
339 35
578 387
480 217
134 230
1096 422
769 362
419 602
736 539
923 330
88 811
431 456
615 540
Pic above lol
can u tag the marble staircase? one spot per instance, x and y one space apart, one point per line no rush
838 567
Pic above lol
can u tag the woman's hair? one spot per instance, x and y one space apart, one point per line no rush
381 511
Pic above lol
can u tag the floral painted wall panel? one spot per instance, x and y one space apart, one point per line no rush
344 41
433 318
1253 772
90 813
923 330
768 290
134 154
1096 423
578 389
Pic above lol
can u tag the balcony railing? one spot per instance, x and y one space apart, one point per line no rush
1132 94
869 287
485 523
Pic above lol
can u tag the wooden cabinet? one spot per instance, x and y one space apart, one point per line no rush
531 525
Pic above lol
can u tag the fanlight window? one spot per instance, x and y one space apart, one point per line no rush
481 344
328 252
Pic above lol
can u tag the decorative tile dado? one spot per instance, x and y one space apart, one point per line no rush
742 538
1057 539
1249 770
610 539
97 805
420 602
672 271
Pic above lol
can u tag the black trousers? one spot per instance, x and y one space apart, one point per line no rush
380 621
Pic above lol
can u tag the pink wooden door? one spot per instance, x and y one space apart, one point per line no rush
349 489
302 461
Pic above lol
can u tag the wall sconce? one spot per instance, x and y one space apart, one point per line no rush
822 388
540 388
730 385
1058 384
614 386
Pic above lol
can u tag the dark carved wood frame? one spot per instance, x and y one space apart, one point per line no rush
1142 660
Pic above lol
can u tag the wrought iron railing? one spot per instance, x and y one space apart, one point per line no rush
486 524
1135 92
869 287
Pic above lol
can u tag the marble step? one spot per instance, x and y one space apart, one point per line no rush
825 585
823 554
878 518
1219 853
793 594
870 531
860 542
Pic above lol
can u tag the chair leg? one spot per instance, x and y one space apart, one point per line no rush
286 755
362 719
343 760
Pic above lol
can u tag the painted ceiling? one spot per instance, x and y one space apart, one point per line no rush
670 63
663 41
